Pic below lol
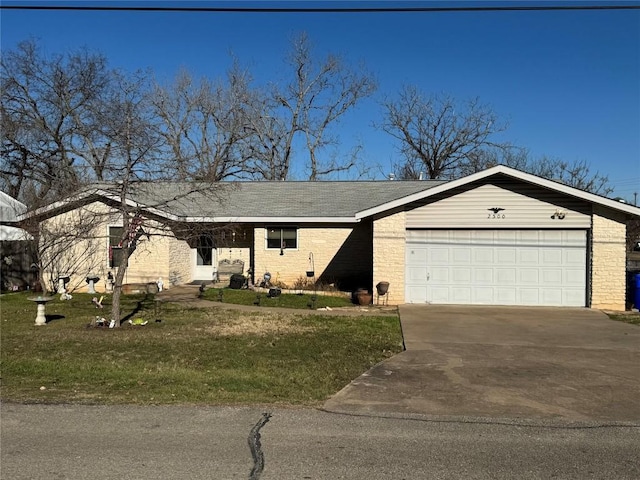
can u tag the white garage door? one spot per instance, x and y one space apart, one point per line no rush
497 267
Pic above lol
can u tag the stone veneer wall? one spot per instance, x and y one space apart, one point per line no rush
161 256
75 257
338 251
389 239
608 260
180 263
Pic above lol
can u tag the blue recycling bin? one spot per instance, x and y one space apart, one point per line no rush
636 292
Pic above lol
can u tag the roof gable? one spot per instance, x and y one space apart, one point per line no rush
511 173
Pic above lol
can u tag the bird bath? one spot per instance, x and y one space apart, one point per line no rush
41 319
92 280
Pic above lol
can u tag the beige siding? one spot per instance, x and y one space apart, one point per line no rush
389 236
150 260
340 253
523 207
179 263
608 260
160 256
73 244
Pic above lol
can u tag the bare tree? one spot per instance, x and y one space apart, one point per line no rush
204 125
307 108
44 101
576 174
438 135
132 132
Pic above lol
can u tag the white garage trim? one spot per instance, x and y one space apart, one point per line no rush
497 267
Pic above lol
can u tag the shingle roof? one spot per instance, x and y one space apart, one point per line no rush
276 199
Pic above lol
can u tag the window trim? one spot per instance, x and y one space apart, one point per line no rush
295 228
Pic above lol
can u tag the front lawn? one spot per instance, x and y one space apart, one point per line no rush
193 355
632 318
304 300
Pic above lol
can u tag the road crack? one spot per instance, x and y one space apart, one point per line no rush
256 447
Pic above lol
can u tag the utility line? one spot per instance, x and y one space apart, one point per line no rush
238 8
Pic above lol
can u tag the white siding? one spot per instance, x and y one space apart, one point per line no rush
520 209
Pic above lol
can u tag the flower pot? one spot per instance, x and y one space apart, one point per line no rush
383 288
364 298
310 273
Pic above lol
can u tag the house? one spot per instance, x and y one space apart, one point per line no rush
498 237
17 248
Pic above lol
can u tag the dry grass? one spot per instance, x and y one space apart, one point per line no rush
256 324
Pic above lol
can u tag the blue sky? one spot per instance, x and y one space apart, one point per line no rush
567 82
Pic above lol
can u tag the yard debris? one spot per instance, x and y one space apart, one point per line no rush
98 303
138 322
101 322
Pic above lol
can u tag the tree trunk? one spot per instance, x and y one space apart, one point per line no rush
117 287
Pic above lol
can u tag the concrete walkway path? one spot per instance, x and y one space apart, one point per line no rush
190 294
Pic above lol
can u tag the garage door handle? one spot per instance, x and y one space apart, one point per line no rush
428 276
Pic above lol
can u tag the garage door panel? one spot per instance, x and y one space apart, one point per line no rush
416 294
507 237
439 256
461 236
416 255
505 296
439 294
483 296
528 256
461 255
551 256
483 255
552 237
573 296
529 276
552 297
573 277
574 257
439 275
574 238
506 256
417 275
552 276
528 237
505 276
499 267
482 275
461 294
528 296
461 275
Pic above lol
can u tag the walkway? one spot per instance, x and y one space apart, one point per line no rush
190 294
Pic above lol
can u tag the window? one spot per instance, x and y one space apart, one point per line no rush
282 237
115 246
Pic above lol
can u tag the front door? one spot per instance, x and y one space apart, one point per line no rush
203 259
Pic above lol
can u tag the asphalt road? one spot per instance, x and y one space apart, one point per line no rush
116 442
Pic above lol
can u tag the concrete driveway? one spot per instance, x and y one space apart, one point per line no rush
557 364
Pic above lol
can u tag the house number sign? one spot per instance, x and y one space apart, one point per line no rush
496 212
